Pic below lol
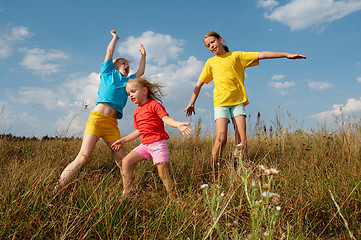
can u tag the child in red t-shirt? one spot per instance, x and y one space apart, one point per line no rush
149 118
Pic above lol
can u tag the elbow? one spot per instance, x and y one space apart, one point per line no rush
139 73
261 55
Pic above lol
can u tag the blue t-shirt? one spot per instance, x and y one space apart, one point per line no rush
112 87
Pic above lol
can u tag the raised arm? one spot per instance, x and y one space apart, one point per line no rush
270 55
141 67
182 126
190 109
130 137
110 50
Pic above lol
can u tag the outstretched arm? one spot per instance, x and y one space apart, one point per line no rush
141 67
130 137
182 126
110 50
270 55
190 109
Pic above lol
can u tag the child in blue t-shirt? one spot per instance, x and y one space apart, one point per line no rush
102 122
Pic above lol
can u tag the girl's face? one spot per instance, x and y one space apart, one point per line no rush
122 66
214 45
137 93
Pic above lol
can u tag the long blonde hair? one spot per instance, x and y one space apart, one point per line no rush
154 89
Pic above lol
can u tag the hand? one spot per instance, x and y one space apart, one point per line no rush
117 144
114 34
184 129
141 49
295 56
189 111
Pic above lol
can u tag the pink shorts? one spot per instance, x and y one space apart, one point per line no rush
157 150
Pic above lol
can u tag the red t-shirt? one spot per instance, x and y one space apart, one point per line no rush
148 120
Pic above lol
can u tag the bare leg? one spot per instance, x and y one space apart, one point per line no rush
220 142
81 159
239 124
128 163
221 138
118 155
163 171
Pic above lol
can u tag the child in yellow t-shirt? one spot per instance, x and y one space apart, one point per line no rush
227 70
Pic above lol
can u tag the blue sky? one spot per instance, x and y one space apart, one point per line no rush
51 52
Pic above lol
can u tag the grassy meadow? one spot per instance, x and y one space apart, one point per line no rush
319 173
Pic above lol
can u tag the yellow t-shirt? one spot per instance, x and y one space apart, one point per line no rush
227 71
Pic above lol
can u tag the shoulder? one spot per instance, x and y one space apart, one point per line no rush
109 62
237 53
154 103
243 55
157 105
107 66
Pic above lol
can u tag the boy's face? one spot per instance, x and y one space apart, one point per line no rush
122 66
214 44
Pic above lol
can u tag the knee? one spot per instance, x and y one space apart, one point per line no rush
163 173
82 159
126 168
118 161
162 176
221 139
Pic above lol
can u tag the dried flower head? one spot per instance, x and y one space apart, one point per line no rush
276 200
270 195
274 171
240 146
262 168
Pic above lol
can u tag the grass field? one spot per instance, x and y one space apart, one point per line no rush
319 172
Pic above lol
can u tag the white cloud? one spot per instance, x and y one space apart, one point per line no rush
313 85
358 79
269 4
159 47
18 33
281 85
11 123
41 61
5 49
39 96
352 106
73 124
301 14
69 98
178 80
83 89
10 37
278 77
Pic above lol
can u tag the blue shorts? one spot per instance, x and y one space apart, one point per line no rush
229 112
157 150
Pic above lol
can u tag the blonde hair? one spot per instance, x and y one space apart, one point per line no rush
154 89
117 59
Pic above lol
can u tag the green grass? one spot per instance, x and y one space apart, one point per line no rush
311 166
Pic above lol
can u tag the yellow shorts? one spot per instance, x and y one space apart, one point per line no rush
102 126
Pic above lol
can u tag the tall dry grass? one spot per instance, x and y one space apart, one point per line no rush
312 165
